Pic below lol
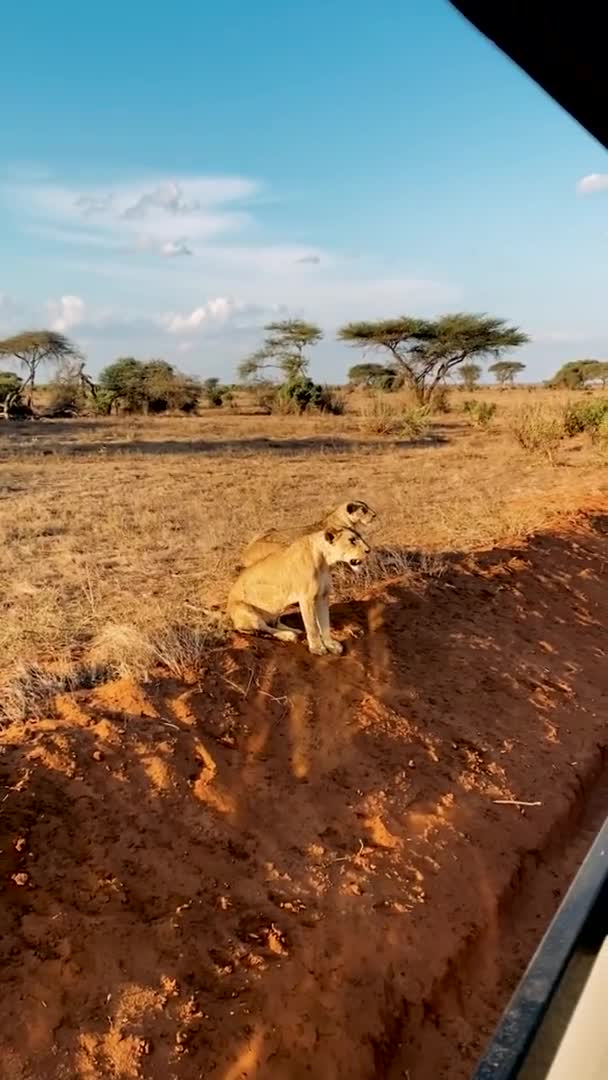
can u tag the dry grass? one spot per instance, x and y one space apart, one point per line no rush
117 537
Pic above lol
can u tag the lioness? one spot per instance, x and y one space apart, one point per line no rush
349 515
296 574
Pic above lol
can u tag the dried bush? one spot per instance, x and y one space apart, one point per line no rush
479 414
539 429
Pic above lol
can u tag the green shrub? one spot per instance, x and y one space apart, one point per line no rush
101 404
586 416
300 394
153 386
415 421
9 384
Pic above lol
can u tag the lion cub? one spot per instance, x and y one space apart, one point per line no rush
297 574
350 515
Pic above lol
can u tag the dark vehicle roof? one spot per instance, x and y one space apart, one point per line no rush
562 48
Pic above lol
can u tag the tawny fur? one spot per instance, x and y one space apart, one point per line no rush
354 514
296 574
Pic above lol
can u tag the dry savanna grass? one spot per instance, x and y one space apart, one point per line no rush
118 537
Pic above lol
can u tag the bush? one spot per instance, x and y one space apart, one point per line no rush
380 416
415 421
587 416
538 429
263 394
65 399
301 394
102 403
9 384
330 401
600 435
479 413
155 386
213 393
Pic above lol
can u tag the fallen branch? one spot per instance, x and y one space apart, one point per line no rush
515 802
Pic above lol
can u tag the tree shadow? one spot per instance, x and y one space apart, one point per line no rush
212 447
73 437
256 868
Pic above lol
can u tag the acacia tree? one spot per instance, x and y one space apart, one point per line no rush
33 348
469 375
575 374
424 351
504 371
282 349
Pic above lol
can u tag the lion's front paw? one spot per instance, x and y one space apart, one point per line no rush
318 649
334 647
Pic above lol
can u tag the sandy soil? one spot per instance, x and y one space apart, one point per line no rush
289 867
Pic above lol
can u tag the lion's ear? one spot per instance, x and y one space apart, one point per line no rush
330 536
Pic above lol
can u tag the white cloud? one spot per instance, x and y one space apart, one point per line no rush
214 310
167 216
66 313
168 196
594 182
216 313
93 204
175 247
561 337
9 311
157 265
7 304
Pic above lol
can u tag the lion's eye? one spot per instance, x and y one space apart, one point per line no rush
352 540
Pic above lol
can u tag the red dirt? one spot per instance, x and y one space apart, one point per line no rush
295 867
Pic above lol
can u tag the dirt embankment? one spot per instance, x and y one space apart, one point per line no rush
295 867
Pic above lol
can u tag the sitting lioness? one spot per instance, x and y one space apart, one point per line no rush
297 574
349 515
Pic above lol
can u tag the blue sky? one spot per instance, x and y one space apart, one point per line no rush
172 178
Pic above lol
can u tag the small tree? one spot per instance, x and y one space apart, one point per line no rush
213 392
469 375
425 351
370 375
32 349
154 386
123 384
504 371
166 388
282 349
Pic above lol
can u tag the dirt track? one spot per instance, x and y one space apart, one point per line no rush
295 867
